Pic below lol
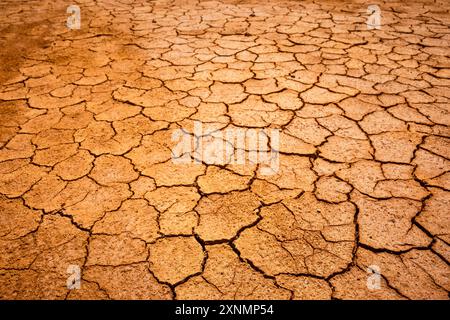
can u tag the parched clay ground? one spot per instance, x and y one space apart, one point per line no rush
86 176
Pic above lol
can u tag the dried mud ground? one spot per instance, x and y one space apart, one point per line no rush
86 176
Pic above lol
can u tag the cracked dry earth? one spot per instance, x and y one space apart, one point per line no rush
86 176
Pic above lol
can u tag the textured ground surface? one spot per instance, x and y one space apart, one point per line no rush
86 176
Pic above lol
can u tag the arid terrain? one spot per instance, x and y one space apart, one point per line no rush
358 206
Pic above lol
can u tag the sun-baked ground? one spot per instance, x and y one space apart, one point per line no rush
86 171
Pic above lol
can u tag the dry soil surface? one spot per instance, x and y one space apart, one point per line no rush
86 170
